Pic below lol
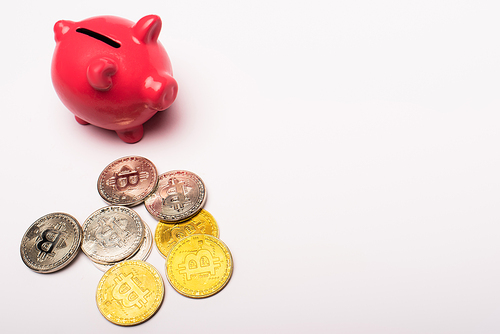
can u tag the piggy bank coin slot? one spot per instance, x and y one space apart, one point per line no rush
98 36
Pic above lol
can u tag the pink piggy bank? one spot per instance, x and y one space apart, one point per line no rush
113 73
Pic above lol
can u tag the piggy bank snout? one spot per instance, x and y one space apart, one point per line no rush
169 94
160 92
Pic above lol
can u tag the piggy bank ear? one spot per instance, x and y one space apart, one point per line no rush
61 27
99 73
147 29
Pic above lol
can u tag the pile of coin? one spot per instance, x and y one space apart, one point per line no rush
118 242
198 264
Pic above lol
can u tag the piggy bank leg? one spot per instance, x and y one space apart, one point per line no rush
81 121
132 135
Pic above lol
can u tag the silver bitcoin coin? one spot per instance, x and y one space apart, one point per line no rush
142 254
112 234
179 196
127 181
51 242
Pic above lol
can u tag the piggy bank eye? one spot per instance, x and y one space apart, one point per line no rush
98 36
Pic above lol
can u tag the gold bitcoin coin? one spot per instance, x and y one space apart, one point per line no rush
199 266
130 292
167 235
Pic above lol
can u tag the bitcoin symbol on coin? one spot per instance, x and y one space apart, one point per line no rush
175 194
48 242
111 232
200 263
127 177
128 292
180 232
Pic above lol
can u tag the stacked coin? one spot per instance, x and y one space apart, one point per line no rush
113 234
198 264
167 235
126 181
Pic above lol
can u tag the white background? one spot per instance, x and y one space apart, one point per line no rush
350 150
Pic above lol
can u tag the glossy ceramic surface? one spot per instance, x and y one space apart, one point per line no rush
113 73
